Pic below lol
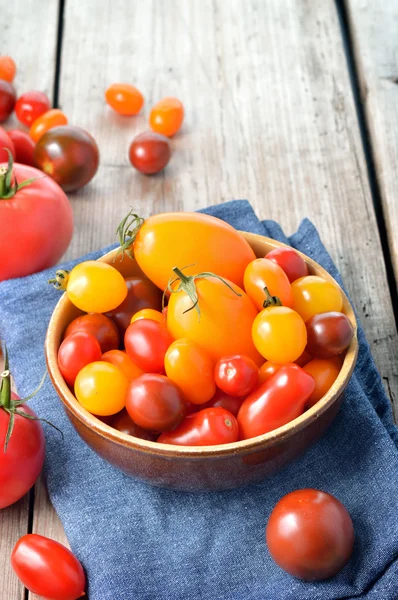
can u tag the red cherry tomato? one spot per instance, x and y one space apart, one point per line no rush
7 68
208 427
24 147
156 403
30 106
290 261
146 343
261 273
75 352
5 142
7 99
276 402
125 99
48 120
47 568
223 400
101 327
236 375
328 334
123 423
149 152
167 116
310 534
324 372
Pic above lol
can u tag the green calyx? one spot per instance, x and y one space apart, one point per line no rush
9 185
60 281
270 300
127 232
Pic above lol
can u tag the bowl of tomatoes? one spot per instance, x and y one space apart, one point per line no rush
198 357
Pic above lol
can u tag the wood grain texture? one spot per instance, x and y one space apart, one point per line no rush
374 28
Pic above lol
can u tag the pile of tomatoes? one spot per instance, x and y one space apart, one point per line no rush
241 345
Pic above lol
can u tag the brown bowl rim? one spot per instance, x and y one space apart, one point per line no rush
241 447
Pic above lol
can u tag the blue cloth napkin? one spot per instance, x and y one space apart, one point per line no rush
141 543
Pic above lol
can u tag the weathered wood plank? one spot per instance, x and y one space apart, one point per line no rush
374 27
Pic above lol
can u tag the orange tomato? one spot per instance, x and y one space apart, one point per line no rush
263 273
324 372
167 116
51 118
192 369
124 98
313 295
266 370
7 68
148 313
123 362
279 334
224 326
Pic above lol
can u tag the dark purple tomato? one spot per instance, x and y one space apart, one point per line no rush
328 334
123 423
7 99
69 155
149 152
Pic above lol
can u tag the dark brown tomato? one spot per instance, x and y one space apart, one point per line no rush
98 325
7 99
149 152
328 334
123 423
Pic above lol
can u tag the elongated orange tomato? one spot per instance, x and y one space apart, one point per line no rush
261 273
194 240
226 317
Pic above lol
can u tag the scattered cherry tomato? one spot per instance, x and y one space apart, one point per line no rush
7 99
146 343
75 352
263 273
329 334
155 402
101 327
266 370
123 423
208 427
30 106
149 152
167 116
324 372
24 147
47 568
5 142
149 313
223 400
120 359
192 369
310 534
124 98
290 261
7 68
52 118
101 388
236 375
313 295
279 334
276 402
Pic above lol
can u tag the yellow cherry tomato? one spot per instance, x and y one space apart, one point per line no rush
324 372
313 295
101 388
261 273
149 313
120 359
279 334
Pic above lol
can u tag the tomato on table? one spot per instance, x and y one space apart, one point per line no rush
208 427
313 295
75 352
279 334
122 361
236 375
167 116
24 147
8 68
7 99
124 98
263 273
329 334
149 152
101 388
290 261
223 400
30 106
98 325
48 120
5 144
324 372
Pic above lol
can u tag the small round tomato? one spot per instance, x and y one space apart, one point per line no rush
5 142
7 68
120 359
7 99
69 155
192 369
263 273
223 400
208 427
123 423
146 343
101 327
149 152
324 372
329 334
149 313
24 147
279 334
266 370
313 295
75 352
51 118
47 568
30 106
167 116
124 98
101 388
290 261
236 375
310 535
155 402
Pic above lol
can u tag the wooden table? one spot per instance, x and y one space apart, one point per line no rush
291 104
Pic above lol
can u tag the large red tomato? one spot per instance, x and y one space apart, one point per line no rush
36 222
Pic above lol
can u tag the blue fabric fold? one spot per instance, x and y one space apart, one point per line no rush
142 543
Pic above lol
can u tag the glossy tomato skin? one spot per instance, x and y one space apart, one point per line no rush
149 152
279 334
290 261
7 99
69 155
40 217
266 370
95 286
276 402
167 116
310 534
24 147
101 388
124 98
236 375
208 427
324 372
146 343
329 334
47 568
5 142
155 403
51 118
7 68
30 106
149 313
75 352
123 423
263 273
98 325
120 359
20 466
313 295
223 400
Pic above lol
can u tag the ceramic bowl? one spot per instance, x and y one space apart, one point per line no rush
199 468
